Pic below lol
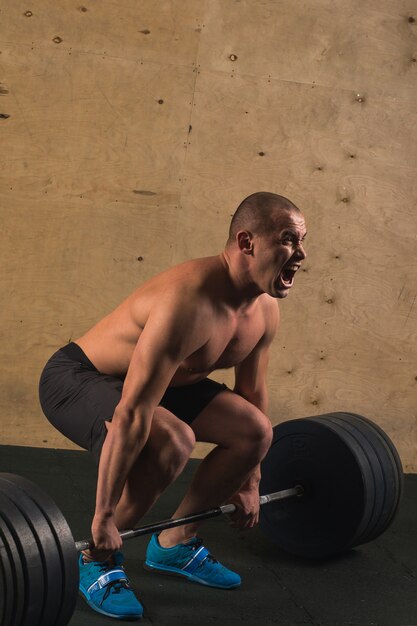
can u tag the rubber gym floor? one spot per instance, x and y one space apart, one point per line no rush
373 585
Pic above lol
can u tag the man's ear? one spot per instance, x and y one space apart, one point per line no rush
245 241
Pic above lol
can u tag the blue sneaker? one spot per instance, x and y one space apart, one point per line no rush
106 588
192 561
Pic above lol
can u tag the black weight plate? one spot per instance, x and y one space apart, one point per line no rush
327 518
385 476
30 559
3 584
391 466
16 576
376 496
386 438
388 487
390 445
47 548
13 578
372 502
64 542
5 580
370 510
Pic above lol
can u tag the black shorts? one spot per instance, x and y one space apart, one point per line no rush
77 399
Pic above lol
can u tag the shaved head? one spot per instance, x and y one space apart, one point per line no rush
258 213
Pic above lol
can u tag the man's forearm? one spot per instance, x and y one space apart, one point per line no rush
124 442
260 400
253 479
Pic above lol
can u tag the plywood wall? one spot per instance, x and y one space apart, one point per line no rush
131 131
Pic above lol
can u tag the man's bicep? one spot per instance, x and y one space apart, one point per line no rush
250 374
168 338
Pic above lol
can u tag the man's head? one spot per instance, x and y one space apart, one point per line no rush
267 231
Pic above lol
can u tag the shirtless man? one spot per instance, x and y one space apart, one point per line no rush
134 391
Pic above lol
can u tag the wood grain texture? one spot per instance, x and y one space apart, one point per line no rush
129 135
166 33
63 270
368 46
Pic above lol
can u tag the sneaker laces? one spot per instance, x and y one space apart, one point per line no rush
116 585
198 542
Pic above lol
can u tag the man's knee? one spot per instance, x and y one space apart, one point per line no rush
256 430
173 448
181 443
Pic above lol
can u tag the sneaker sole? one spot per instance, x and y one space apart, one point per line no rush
173 571
95 608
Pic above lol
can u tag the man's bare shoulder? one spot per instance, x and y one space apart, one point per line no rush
185 287
191 278
271 314
196 274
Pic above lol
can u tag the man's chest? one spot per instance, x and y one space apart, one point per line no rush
229 344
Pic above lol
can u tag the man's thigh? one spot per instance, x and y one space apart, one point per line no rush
227 419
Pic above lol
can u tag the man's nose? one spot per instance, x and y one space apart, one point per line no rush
301 253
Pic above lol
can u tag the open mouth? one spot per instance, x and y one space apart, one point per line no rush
286 278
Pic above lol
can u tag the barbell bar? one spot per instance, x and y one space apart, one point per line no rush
225 509
333 482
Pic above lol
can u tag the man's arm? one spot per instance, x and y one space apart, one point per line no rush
250 383
250 374
172 332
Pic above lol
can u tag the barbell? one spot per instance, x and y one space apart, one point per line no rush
335 482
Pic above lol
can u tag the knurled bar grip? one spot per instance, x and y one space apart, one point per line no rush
172 523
